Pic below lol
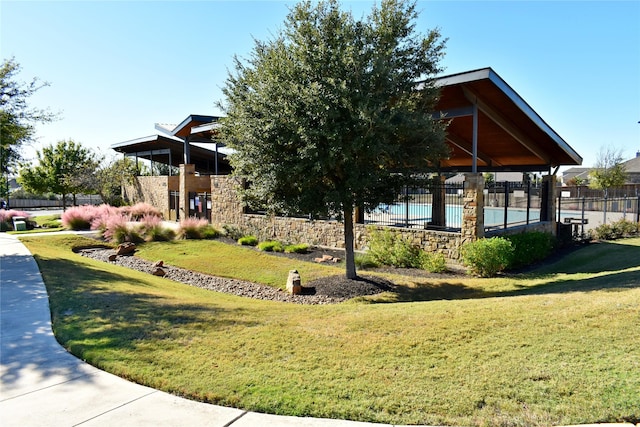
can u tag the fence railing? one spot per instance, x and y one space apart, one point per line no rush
586 213
509 204
438 207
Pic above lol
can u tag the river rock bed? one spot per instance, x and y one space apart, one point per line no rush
328 290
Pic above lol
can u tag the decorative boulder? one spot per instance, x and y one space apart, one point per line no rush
126 248
158 264
294 285
112 257
158 271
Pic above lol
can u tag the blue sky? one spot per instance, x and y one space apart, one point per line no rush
118 67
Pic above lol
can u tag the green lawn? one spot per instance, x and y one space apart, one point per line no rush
558 346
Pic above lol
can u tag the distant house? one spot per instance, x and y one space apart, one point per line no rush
632 167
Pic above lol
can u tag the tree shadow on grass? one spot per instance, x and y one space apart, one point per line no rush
91 315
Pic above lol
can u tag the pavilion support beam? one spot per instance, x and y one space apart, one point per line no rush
468 148
506 125
474 154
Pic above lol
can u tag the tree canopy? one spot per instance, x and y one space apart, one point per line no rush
64 168
17 118
609 171
328 115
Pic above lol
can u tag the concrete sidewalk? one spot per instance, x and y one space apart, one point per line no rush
44 385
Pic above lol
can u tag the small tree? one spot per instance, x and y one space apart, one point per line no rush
609 171
329 115
110 177
62 169
17 119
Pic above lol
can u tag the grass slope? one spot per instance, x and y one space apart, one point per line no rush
557 346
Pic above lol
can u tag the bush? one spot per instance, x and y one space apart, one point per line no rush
210 233
300 248
140 210
365 261
389 248
153 230
271 246
530 247
231 232
615 230
248 241
433 262
487 257
118 230
192 228
6 218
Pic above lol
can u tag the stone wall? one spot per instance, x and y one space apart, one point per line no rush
153 190
226 209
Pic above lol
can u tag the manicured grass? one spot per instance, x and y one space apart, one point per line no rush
559 346
236 261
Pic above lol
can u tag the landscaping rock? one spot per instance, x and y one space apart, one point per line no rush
294 285
126 248
112 257
327 259
158 271
158 264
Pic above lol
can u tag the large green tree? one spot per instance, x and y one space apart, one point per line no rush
17 118
64 168
609 170
328 115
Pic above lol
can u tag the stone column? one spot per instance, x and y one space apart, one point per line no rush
473 208
186 173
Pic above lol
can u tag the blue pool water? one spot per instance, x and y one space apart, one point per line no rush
492 216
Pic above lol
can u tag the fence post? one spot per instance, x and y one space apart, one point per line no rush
406 206
506 202
582 218
528 199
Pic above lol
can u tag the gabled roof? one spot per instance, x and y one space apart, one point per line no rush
510 134
633 165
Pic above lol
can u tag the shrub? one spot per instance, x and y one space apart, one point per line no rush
271 246
616 230
231 232
118 230
300 248
433 262
248 241
153 230
6 218
487 257
210 233
79 217
365 261
192 228
530 247
140 210
388 248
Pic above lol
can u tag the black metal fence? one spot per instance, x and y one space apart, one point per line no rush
438 207
509 204
588 211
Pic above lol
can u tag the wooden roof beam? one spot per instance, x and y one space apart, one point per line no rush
468 148
506 125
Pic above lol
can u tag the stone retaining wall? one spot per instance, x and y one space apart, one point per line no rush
226 209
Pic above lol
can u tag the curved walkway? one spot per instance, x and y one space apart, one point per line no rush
44 385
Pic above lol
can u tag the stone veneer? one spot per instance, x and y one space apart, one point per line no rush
153 190
226 209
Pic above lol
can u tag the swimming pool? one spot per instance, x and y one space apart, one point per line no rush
422 213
